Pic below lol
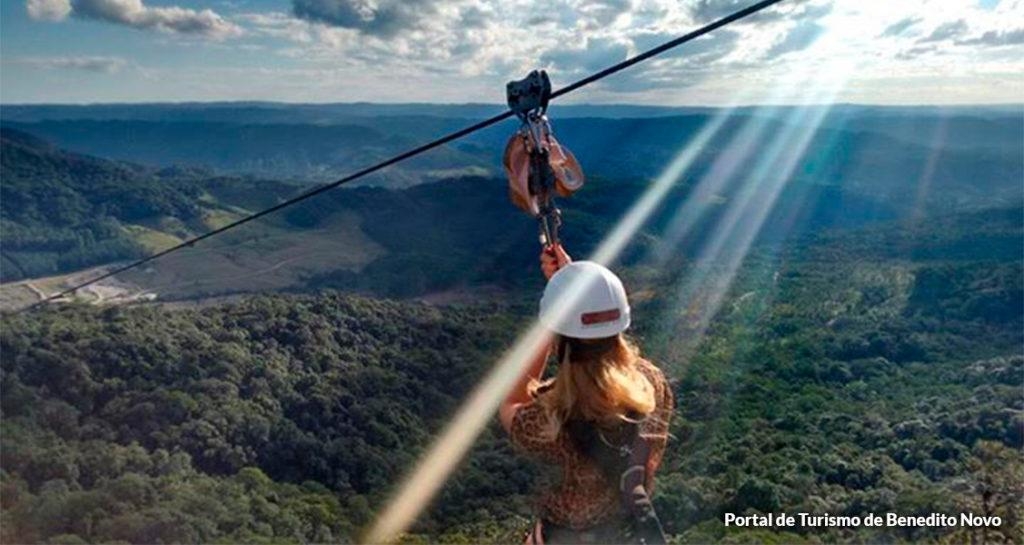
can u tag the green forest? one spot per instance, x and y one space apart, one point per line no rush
866 357
271 272
847 372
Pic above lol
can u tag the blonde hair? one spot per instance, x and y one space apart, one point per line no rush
604 386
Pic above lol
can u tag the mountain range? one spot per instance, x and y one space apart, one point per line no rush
164 180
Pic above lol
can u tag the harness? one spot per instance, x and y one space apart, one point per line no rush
623 460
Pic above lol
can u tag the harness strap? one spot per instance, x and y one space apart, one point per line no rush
626 464
627 477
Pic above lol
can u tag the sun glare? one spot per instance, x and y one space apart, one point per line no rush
761 186
704 288
439 461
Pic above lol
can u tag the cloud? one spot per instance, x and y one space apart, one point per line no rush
594 55
706 11
466 49
946 31
899 27
800 37
604 12
997 38
386 18
703 50
915 52
278 25
48 10
105 65
135 14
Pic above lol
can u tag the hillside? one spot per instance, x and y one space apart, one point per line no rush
862 164
963 157
63 211
872 371
180 441
867 357
286 151
463 228
458 232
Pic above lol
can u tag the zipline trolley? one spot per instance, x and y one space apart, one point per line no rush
537 166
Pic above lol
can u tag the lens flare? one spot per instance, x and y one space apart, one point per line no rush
764 185
924 181
704 290
475 413
441 459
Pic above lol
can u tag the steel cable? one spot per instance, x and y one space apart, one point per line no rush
735 16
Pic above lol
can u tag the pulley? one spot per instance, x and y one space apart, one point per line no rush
538 166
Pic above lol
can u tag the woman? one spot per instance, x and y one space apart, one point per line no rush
603 389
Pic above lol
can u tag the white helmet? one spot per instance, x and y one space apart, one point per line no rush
585 300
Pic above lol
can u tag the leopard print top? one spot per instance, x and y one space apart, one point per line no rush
584 498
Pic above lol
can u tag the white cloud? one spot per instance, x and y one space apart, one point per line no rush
464 50
454 46
591 55
134 13
48 10
107 65
279 25
997 38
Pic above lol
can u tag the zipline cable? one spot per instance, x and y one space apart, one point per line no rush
735 16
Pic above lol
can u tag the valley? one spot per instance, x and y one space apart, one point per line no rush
856 349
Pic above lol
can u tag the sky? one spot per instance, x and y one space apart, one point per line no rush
456 51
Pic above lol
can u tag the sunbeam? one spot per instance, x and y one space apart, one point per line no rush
446 452
705 287
639 213
723 174
740 226
924 181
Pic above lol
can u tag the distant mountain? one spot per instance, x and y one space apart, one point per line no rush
276 112
283 151
459 230
341 113
947 158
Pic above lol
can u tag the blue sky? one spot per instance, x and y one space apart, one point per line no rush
866 51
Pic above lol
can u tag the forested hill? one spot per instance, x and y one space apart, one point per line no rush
850 374
287 150
879 149
46 186
62 211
